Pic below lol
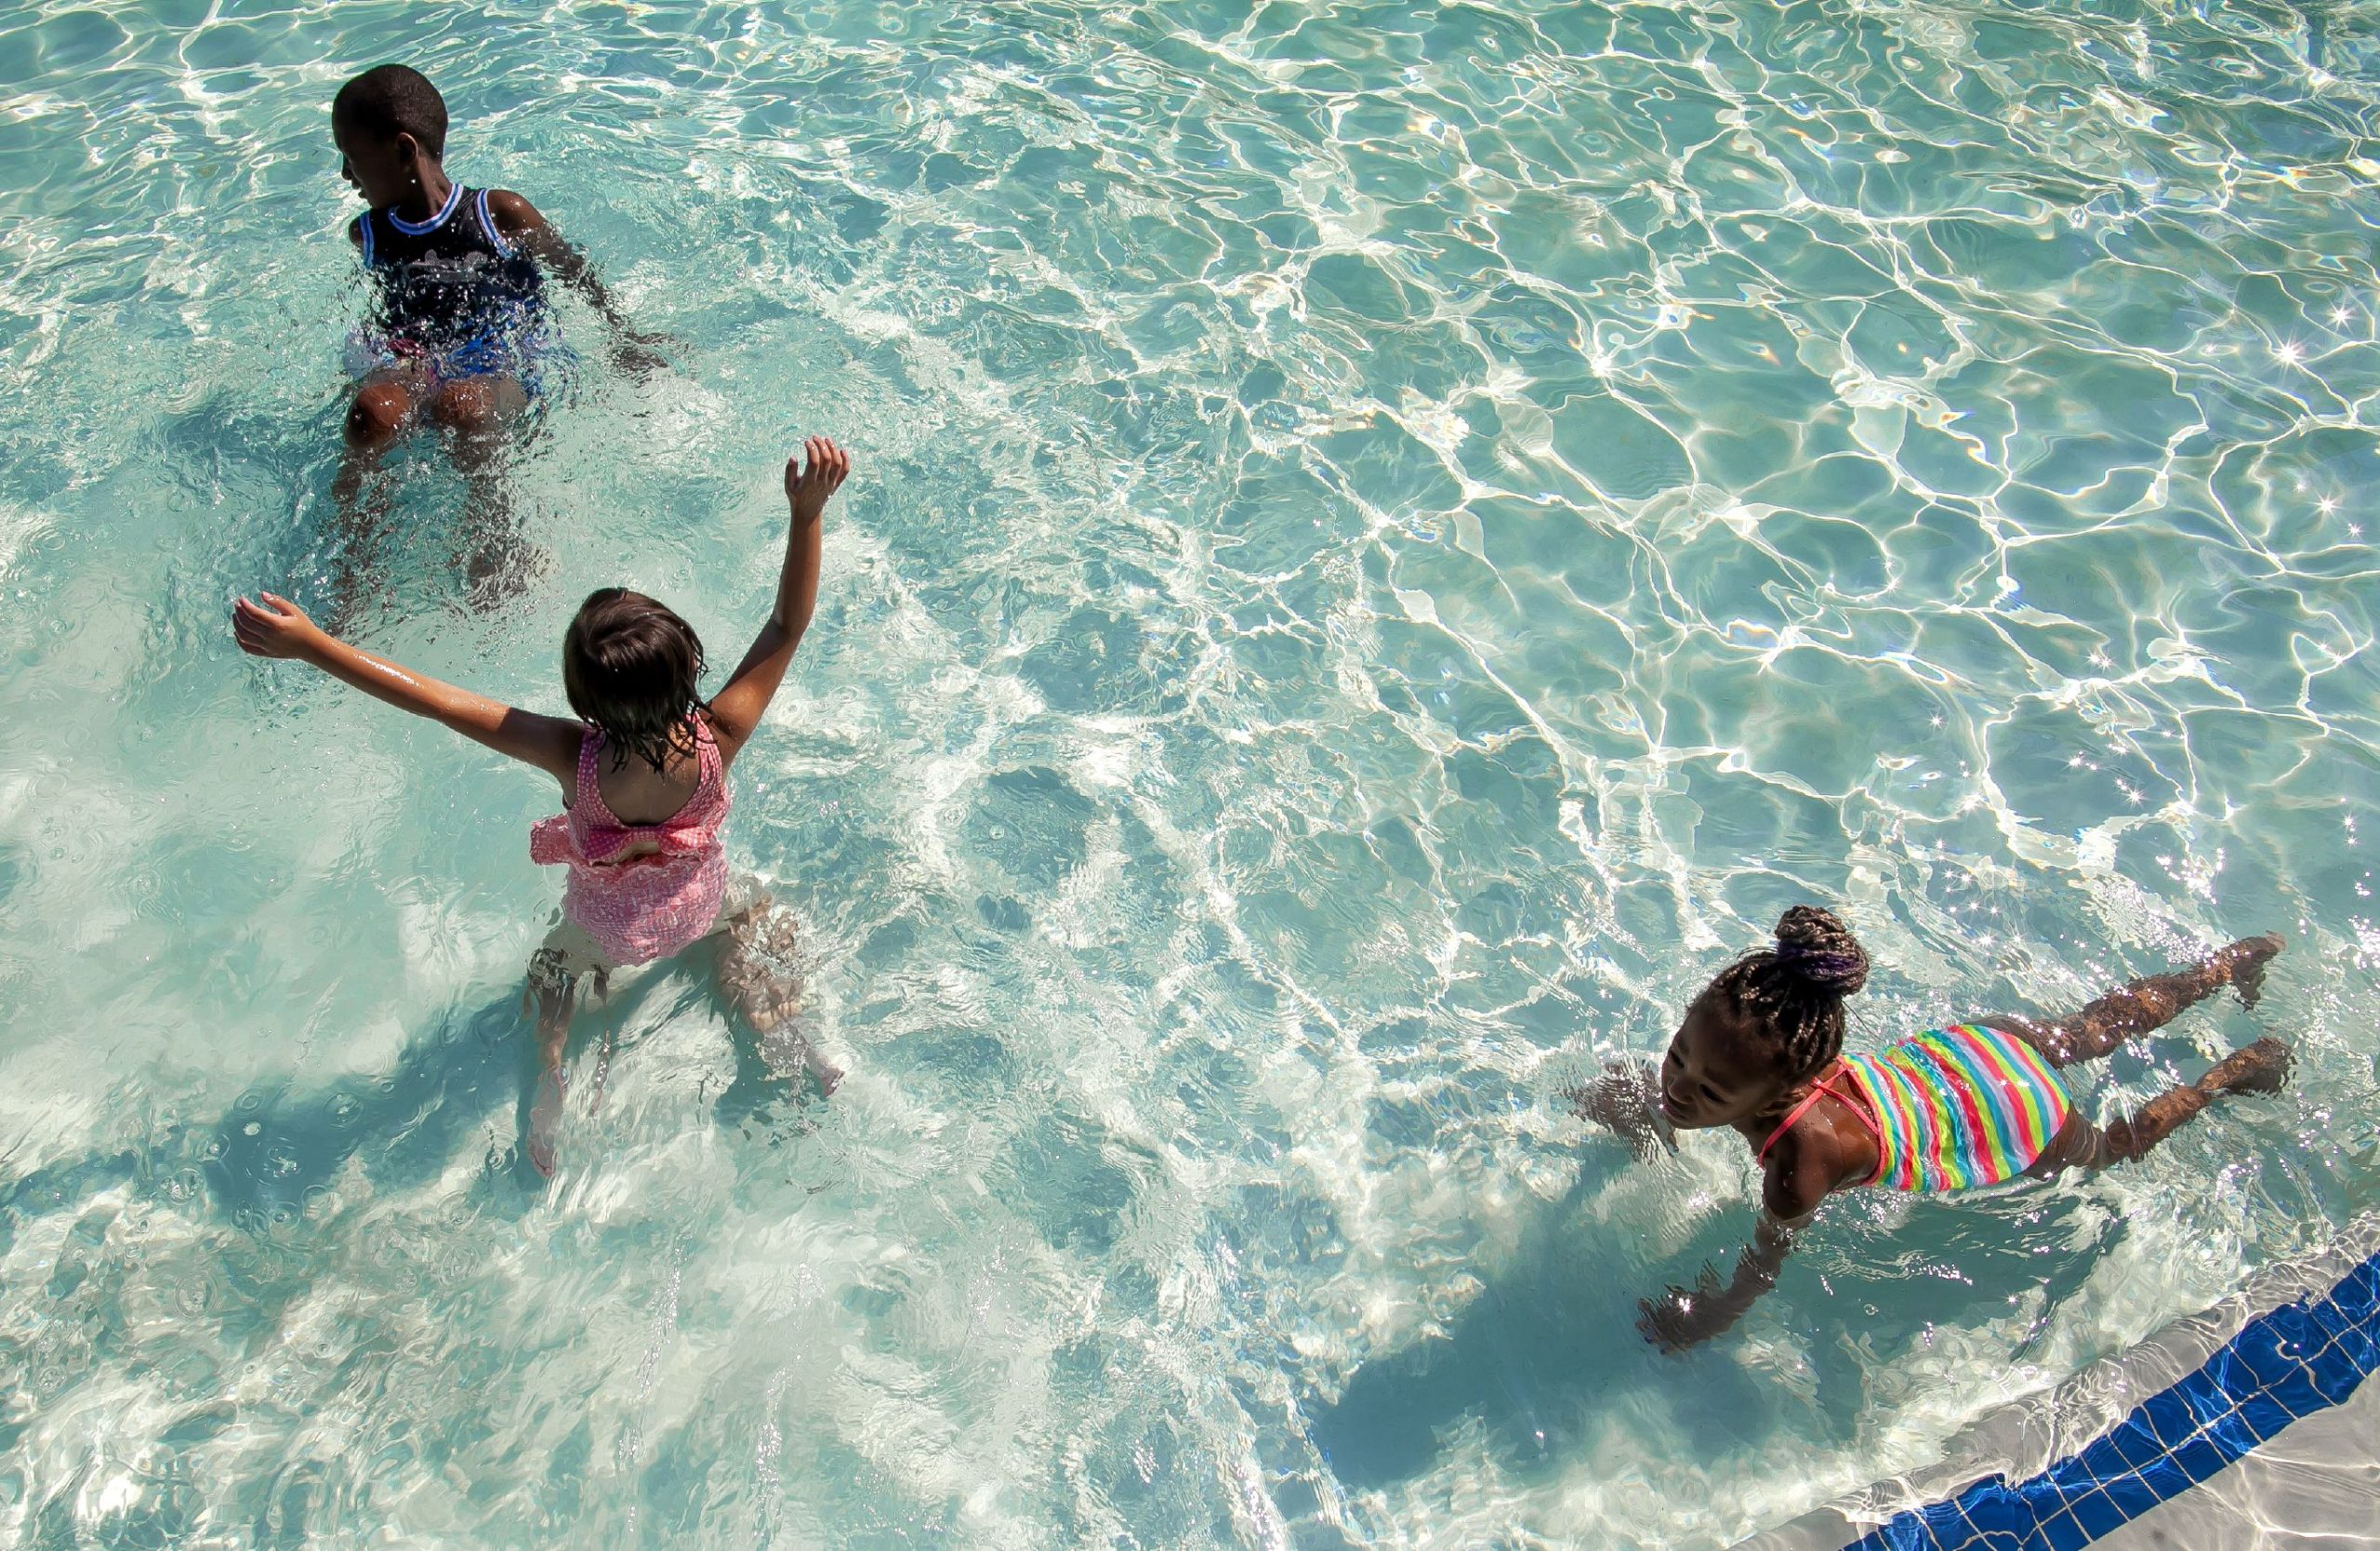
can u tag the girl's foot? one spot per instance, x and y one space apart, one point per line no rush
2249 956
545 1124
2261 1067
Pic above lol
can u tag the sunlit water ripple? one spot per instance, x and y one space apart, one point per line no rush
1389 540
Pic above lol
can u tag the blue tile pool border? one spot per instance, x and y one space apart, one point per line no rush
2299 1359
2105 1445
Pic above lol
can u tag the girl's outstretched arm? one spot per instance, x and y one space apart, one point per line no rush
736 709
1683 1316
1804 1174
1625 1099
277 627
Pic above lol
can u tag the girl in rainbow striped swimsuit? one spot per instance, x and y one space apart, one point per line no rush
1952 1108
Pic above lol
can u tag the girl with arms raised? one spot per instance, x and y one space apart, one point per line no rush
643 765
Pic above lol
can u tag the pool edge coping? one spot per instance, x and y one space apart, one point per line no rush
2022 1439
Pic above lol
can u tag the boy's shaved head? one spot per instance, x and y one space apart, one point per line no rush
393 100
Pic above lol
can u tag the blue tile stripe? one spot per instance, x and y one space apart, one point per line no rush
2300 1359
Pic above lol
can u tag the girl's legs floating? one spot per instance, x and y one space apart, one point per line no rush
2261 1067
2147 1005
554 990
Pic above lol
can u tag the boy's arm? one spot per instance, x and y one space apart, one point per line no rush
736 709
277 627
521 226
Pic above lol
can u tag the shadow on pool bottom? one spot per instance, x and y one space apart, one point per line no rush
281 1141
1544 1359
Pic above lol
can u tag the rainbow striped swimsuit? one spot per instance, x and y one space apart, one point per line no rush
1959 1107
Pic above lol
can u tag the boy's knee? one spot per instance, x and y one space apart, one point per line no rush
379 412
465 406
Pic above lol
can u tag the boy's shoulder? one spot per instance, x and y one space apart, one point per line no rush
356 229
513 213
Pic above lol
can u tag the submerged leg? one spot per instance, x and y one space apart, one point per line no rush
2261 1067
382 411
2147 1005
755 975
496 559
554 989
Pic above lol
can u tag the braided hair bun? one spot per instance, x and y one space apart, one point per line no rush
1791 994
1813 946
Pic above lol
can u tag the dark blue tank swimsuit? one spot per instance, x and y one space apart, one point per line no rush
454 295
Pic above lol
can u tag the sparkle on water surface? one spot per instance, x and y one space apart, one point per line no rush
1388 540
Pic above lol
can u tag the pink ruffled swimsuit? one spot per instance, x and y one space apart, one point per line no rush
652 906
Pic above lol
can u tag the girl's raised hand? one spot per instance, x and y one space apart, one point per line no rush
806 485
273 628
810 479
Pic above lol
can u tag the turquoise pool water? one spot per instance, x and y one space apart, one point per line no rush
1388 541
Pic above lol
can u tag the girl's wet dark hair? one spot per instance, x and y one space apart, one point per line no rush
1793 993
633 668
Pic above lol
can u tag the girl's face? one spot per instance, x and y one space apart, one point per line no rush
1717 1072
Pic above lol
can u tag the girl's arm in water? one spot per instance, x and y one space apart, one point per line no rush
277 627
736 709
1625 1100
1684 1317
1797 1181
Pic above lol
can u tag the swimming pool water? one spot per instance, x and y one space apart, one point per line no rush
1388 540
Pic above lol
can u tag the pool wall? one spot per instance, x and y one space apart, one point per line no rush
2094 1459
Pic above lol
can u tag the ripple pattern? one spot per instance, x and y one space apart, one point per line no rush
1389 541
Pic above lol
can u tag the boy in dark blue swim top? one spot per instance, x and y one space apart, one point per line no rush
459 322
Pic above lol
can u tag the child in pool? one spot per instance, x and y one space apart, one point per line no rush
643 773
460 316
1972 1105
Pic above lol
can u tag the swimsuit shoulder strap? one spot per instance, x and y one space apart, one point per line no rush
1824 1088
590 744
487 224
1865 1101
1819 1090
